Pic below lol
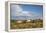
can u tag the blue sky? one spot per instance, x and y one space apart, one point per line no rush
33 11
34 8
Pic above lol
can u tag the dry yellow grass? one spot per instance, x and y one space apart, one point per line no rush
25 25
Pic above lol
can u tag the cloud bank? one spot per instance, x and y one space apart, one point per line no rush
16 10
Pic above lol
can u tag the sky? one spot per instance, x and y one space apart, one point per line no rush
26 11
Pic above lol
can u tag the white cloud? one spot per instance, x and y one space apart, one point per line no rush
18 11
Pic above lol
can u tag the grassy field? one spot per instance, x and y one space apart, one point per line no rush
25 25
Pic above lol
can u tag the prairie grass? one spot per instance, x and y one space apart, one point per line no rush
38 23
